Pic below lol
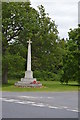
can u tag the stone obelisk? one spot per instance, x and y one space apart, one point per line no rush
29 73
29 56
28 80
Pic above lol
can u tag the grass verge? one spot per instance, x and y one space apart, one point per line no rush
53 86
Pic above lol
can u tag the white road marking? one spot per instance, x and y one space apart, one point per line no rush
53 107
20 102
6 100
38 104
9 100
65 107
72 110
34 97
30 102
26 97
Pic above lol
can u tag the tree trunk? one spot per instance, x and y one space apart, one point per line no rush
4 75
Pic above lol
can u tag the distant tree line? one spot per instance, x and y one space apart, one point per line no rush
52 58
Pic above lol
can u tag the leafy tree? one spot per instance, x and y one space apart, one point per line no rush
12 24
20 23
71 58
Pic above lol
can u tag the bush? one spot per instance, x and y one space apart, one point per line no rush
45 75
16 75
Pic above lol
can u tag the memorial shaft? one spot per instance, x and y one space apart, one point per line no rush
29 56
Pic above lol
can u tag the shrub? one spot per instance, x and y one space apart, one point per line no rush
45 75
19 74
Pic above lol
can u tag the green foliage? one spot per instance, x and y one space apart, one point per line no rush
71 58
16 75
52 58
46 76
21 23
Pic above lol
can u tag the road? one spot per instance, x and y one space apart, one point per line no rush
39 104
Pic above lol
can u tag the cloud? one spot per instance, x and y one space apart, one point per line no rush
64 12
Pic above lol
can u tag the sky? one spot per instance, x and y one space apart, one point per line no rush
63 12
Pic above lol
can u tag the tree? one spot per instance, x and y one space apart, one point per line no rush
21 22
12 24
71 58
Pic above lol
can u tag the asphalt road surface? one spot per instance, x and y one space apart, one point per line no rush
39 104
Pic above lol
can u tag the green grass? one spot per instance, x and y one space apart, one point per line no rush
47 86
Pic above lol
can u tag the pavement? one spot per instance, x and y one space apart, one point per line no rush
39 104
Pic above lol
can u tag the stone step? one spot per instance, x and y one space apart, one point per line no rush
22 84
28 79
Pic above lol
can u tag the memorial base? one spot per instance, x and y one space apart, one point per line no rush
28 81
27 85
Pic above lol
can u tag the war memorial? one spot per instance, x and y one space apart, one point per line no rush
28 80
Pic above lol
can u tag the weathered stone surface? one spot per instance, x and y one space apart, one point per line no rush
28 74
24 84
28 79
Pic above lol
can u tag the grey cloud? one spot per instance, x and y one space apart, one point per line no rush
64 12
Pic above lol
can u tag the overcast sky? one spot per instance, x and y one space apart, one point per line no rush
64 12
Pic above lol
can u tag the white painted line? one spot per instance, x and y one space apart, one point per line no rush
27 97
6 100
72 110
64 107
30 102
20 102
40 105
53 107
75 110
34 97
23 102
9 100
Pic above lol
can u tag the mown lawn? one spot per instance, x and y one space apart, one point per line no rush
47 86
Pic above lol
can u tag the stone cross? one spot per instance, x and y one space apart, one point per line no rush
29 56
28 80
